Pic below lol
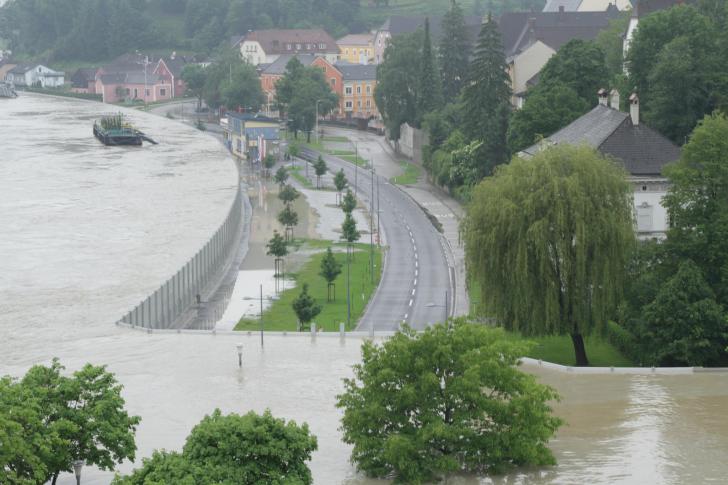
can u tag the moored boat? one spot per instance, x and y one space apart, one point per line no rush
114 130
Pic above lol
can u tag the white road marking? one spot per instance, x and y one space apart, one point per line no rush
406 315
413 292
417 263
417 271
415 281
415 246
410 303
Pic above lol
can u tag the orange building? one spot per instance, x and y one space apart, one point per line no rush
360 82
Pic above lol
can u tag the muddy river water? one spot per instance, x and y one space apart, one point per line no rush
87 231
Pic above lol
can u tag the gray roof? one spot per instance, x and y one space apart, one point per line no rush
21 69
175 65
521 29
642 150
401 24
278 67
129 78
569 5
357 72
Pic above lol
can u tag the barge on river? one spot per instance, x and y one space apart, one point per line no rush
114 130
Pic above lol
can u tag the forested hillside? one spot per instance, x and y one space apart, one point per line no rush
96 30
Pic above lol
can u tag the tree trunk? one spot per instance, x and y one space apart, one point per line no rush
55 478
579 350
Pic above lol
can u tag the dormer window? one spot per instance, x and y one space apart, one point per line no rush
298 47
322 46
289 46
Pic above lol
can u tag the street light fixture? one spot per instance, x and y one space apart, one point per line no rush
77 465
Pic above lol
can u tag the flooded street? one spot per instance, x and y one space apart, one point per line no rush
86 232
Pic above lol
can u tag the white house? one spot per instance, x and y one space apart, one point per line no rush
643 152
35 75
266 46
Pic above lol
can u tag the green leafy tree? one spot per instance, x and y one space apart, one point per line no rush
277 247
349 232
233 449
281 177
698 206
445 400
194 77
486 99
454 52
340 182
684 325
547 240
430 88
398 83
674 69
242 88
288 194
299 91
269 162
305 307
547 110
330 270
320 168
64 419
348 204
288 219
579 65
611 41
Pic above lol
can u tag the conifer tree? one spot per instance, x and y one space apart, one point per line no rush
430 94
454 52
487 99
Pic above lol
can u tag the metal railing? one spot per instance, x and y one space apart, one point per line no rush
175 302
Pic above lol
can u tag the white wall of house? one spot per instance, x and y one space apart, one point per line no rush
527 64
253 53
651 216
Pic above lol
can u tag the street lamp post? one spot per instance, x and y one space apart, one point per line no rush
371 229
77 465
317 116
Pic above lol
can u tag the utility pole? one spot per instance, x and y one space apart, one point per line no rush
348 286
261 316
379 234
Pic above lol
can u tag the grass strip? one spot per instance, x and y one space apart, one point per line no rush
280 316
410 174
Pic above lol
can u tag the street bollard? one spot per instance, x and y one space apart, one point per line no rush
313 329
342 329
240 355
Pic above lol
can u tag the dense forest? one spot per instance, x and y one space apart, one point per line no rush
96 30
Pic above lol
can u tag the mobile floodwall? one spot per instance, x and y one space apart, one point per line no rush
171 305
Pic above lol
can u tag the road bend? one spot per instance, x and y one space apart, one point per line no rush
416 281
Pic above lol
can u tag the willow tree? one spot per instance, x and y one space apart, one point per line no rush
547 239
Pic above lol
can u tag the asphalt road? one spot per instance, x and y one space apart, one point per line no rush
416 279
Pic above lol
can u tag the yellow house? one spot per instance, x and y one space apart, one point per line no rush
360 81
356 48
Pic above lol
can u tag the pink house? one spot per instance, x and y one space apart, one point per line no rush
121 86
170 69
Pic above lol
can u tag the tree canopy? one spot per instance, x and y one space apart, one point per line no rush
415 406
547 240
486 99
454 52
233 449
54 420
305 307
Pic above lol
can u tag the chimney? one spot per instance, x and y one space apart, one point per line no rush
602 93
561 9
532 29
634 109
614 99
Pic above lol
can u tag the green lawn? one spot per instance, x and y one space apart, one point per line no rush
338 153
558 348
341 139
355 160
280 316
296 174
410 174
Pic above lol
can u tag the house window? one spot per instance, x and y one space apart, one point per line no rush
127 92
369 89
358 90
163 92
322 46
146 92
298 47
369 103
353 51
333 81
346 51
349 104
289 46
358 104
136 94
348 90
644 217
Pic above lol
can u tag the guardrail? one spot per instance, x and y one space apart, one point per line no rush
170 306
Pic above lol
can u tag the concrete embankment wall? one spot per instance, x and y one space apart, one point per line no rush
172 305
